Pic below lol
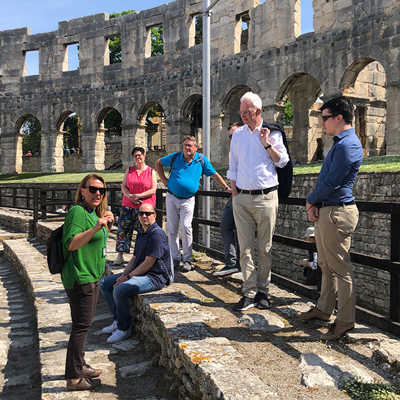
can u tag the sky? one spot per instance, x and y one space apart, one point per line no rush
43 15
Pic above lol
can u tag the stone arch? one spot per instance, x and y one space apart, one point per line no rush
231 104
300 92
364 82
192 113
109 131
151 133
27 152
66 146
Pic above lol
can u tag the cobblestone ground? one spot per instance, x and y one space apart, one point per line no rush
130 369
19 356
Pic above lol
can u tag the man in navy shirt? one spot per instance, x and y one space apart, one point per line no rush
187 168
148 270
331 206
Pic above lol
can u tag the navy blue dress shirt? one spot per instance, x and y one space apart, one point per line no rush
154 243
339 170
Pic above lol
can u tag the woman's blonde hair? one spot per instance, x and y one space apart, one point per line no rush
102 207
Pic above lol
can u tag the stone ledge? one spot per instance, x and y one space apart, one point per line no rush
208 367
16 221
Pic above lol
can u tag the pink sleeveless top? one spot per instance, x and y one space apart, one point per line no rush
138 184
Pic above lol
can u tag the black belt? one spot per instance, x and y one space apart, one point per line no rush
339 204
257 191
178 197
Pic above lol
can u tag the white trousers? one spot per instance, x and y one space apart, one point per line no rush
180 212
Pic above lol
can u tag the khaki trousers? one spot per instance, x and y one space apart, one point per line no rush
255 214
333 236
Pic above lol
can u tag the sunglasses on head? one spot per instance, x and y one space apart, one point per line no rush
146 213
94 189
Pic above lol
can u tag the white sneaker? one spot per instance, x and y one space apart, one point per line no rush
118 336
110 328
119 260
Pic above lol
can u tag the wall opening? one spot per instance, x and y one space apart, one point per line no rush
109 134
31 64
241 39
196 31
155 42
307 16
193 113
30 141
113 50
71 57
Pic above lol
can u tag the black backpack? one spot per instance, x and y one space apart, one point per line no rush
55 254
285 174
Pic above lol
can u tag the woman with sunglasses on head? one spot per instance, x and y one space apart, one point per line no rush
138 186
85 235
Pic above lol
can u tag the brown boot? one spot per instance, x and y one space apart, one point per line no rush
90 372
314 313
82 384
337 330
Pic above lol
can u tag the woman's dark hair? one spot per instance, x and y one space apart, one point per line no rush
340 106
141 149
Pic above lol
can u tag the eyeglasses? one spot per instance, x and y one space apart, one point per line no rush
326 117
94 189
146 213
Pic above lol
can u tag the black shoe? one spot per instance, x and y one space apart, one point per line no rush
262 301
244 304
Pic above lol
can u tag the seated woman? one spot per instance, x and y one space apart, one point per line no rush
85 235
149 269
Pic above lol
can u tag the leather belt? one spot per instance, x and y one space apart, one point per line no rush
339 204
257 191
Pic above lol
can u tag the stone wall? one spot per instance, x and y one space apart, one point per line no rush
354 50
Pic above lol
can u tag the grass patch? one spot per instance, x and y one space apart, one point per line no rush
75 177
359 390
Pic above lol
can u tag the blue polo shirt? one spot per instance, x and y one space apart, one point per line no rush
339 170
154 243
184 178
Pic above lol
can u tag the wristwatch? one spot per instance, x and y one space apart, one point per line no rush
267 147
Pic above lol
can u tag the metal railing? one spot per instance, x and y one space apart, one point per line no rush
43 203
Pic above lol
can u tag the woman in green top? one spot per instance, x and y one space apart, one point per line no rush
84 239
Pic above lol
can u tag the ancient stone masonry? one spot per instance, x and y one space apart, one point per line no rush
354 50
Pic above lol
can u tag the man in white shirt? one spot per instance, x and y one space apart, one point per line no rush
255 154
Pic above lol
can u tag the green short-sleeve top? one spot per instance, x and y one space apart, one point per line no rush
87 264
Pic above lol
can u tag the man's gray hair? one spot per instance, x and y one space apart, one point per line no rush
253 98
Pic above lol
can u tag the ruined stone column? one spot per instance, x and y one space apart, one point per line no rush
93 150
176 130
393 119
127 144
219 143
51 152
270 112
11 153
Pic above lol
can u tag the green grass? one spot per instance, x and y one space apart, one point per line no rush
359 390
37 177
371 164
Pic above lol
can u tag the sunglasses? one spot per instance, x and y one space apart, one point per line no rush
326 117
94 189
146 213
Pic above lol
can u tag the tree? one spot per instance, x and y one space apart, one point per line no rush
114 45
287 117
157 41
31 136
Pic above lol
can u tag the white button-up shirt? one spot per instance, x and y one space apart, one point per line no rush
250 164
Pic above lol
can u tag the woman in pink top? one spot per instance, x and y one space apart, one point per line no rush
138 187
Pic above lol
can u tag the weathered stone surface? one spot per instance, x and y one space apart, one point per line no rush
321 370
265 322
135 369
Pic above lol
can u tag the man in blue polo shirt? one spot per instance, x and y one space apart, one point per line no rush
187 167
332 208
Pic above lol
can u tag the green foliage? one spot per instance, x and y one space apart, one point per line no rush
359 390
198 36
157 41
71 135
31 136
112 122
115 41
287 117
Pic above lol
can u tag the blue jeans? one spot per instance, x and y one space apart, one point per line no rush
228 231
118 298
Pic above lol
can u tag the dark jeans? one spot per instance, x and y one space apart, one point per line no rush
228 231
82 301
